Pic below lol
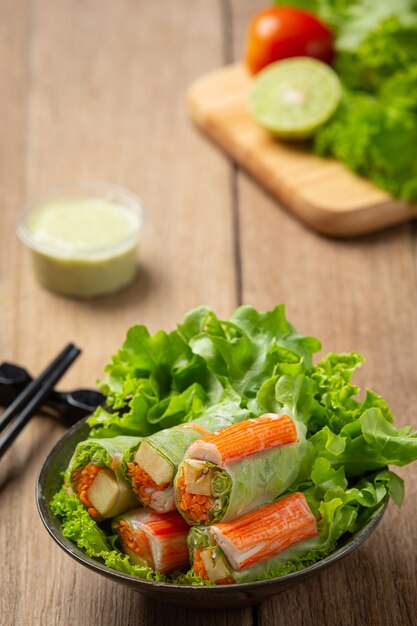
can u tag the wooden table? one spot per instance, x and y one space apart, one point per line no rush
95 90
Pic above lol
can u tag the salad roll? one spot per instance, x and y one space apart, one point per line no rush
157 540
95 473
229 473
253 545
151 467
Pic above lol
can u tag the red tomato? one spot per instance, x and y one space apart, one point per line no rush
281 32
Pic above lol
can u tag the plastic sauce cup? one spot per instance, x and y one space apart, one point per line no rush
83 237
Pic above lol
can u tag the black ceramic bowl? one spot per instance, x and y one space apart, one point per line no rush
216 597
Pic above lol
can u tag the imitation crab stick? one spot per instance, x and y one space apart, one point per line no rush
249 437
233 551
157 540
152 466
96 475
231 472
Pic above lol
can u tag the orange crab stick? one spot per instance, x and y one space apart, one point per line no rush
230 472
265 532
158 540
245 438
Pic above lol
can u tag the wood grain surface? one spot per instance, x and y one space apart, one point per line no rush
95 89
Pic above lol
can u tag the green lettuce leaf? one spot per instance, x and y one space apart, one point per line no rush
356 435
245 351
152 383
369 442
160 381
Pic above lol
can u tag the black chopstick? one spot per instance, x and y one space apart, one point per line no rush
31 398
22 399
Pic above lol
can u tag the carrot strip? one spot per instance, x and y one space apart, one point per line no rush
197 507
142 484
82 480
136 541
249 437
198 564
273 528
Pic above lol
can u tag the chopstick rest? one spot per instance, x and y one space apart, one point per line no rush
20 411
66 406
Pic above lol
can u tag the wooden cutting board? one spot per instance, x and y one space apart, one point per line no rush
321 192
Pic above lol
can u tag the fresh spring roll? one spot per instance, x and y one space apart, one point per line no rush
95 473
252 546
157 540
229 473
152 466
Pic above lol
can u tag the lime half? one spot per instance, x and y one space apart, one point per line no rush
294 97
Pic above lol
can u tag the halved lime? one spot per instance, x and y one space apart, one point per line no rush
294 97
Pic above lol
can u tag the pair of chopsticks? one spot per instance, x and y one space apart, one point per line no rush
19 412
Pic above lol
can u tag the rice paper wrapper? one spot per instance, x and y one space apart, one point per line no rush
200 537
104 453
273 567
260 478
172 443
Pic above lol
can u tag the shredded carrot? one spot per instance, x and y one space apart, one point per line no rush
143 485
198 564
136 541
196 506
82 480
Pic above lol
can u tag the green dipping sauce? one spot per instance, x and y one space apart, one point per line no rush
83 246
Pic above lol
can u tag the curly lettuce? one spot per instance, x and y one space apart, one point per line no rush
205 366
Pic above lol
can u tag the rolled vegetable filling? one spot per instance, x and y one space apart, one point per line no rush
156 540
95 473
228 473
152 467
242 550
82 480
